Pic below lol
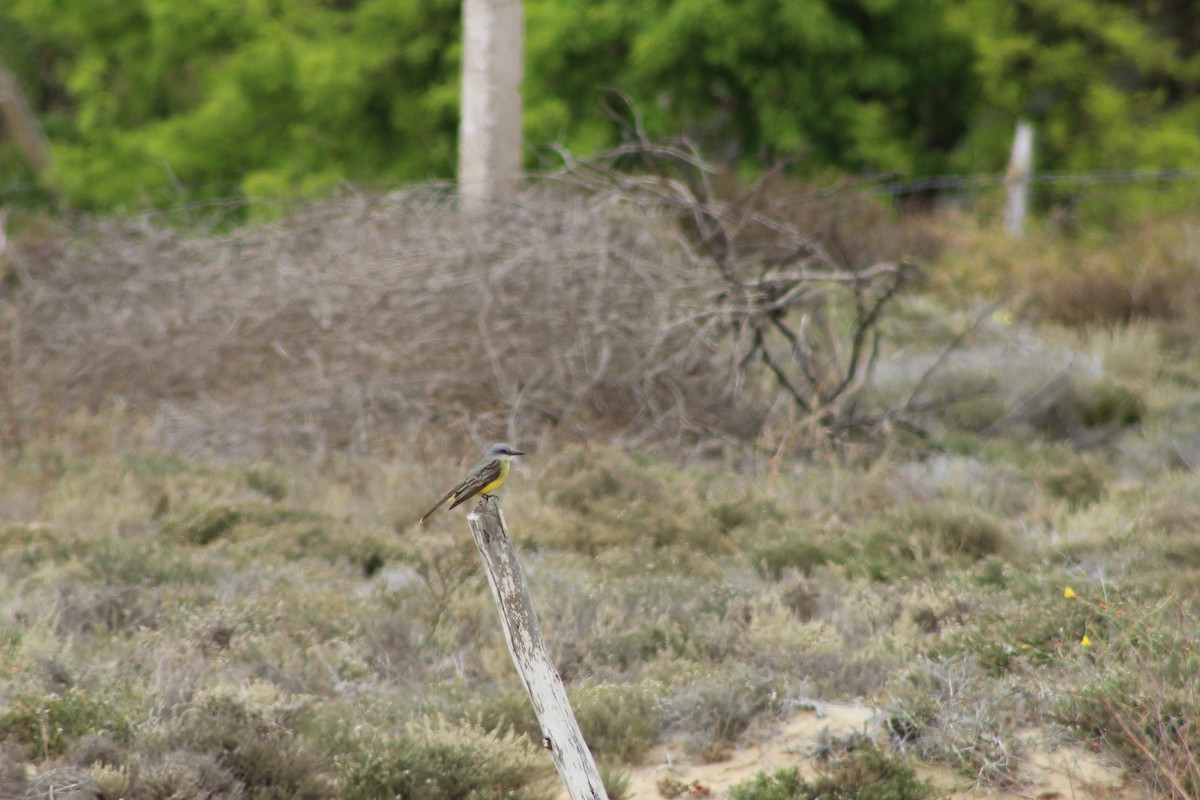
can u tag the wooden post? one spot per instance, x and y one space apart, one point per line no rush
489 133
560 732
1020 164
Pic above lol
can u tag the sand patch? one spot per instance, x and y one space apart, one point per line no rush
1051 771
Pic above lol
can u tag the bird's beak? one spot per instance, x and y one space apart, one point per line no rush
515 453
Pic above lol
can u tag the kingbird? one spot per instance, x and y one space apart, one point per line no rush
484 479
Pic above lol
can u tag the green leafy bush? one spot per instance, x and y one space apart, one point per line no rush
867 774
445 761
50 723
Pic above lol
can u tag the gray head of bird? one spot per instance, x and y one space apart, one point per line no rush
502 451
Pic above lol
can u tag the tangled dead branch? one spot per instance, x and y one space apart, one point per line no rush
785 302
365 322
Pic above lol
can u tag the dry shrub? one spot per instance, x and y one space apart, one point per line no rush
1134 689
186 775
1145 271
222 738
1104 294
358 322
62 783
850 222
714 707
13 778
951 712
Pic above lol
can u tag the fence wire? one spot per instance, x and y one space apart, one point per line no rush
891 186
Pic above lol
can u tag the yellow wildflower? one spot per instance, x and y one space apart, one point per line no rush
1069 593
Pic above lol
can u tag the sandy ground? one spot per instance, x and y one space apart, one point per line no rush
1066 772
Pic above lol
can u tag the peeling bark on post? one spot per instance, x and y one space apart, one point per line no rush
560 732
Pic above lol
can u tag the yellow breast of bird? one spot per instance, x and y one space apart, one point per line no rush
491 487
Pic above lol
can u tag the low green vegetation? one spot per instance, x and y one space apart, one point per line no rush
866 774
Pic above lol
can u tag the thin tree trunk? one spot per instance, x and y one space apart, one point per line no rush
19 119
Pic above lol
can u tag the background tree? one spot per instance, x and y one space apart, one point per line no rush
878 86
215 98
158 102
1109 85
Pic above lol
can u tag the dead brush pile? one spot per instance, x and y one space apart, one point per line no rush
363 321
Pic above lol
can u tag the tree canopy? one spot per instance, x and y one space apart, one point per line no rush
153 102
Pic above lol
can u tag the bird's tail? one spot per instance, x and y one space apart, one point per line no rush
439 504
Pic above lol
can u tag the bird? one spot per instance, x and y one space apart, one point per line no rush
482 480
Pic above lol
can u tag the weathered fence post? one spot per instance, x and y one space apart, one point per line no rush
1020 165
560 732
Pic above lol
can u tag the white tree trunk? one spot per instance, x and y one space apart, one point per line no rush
489 136
560 732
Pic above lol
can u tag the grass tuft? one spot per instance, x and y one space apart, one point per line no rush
441 760
205 526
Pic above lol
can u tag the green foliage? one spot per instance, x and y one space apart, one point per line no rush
23 547
272 101
1109 403
50 723
268 482
618 722
866 774
616 781
1077 482
793 550
217 99
923 538
882 86
445 761
155 102
1109 84
204 526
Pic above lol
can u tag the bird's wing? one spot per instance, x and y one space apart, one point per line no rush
478 479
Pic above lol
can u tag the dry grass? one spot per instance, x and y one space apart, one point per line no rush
185 626
1122 274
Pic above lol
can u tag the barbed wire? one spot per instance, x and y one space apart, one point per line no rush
935 182
18 189
883 184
